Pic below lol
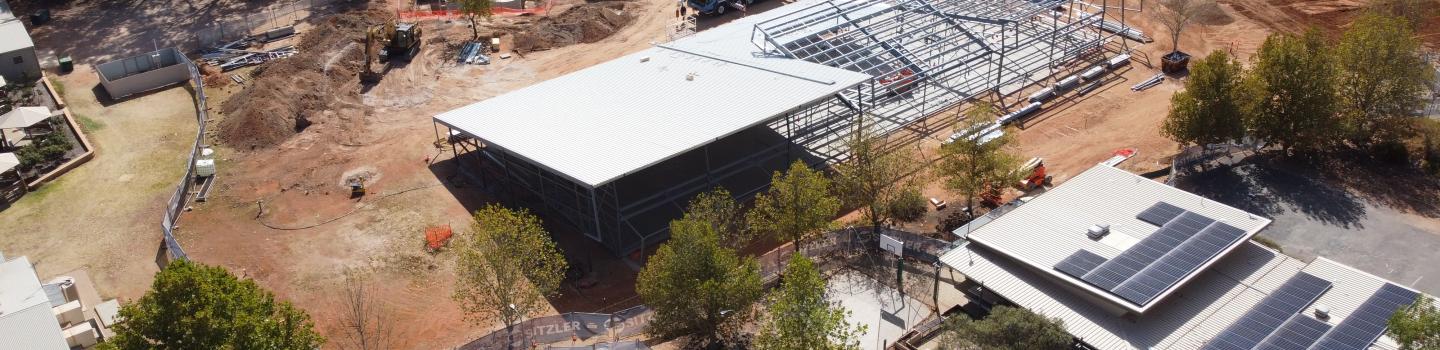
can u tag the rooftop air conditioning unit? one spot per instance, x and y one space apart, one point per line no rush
1322 312
1097 231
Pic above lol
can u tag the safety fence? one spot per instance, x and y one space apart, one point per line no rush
557 330
257 21
568 327
453 11
182 191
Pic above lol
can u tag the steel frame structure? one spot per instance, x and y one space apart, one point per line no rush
926 56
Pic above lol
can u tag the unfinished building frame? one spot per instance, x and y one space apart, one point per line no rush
924 56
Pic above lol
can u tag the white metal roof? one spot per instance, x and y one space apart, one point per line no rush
1195 312
26 321
13 35
618 117
1100 195
8 161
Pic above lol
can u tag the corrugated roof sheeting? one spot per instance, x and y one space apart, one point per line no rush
1195 313
612 119
26 321
1100 195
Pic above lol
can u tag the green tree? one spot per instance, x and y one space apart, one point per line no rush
797 205
877 179
507 266
1416 327
1292 89
697 287
475 10
1209 109
801 318
718 208
971 165
194 306
1382 78
1006 328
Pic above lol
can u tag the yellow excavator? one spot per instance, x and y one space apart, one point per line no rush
395 40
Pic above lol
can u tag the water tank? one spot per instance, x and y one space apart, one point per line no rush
205 163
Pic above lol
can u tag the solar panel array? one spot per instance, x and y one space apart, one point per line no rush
1079 263
1296 334
1362 327
1160 213
1271 313
1184 241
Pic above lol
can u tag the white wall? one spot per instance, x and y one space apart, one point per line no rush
133 75
28 69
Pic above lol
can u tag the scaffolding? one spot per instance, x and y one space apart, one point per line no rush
924 57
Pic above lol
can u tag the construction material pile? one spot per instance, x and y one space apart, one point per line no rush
585 23
474 53
292 93
230 59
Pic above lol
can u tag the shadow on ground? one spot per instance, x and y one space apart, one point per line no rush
1377 216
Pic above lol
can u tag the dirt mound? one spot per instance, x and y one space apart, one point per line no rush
287 95
585 23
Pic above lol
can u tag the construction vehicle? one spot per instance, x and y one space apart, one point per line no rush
1037 177
357 186
395 41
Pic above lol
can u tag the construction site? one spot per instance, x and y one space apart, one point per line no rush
343 136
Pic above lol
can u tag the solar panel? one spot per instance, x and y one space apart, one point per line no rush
1363 326
1179 262
1270 313
1160 213
1296 334
1145 252
1077 264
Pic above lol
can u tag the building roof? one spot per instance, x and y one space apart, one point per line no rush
1192 315
1099 196
615 118
26 321
13 35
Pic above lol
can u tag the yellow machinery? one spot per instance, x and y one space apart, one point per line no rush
395 41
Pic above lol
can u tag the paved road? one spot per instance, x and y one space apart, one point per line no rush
1313 218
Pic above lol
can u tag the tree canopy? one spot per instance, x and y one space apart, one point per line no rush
880 181
1209 109
1004 329
475 10
973 165
1417 327
1292 86
697 287
718 208
797 205
1382 78
801 318
507 265
195 306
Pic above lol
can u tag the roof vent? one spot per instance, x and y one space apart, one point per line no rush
1322 312
1097 231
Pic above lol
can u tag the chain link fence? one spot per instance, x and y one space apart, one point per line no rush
177 202
853 247
238 27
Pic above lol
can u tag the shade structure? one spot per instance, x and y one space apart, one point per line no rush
8 161
24 117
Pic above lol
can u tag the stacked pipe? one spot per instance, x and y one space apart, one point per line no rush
1125 31
986 132
1148 83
